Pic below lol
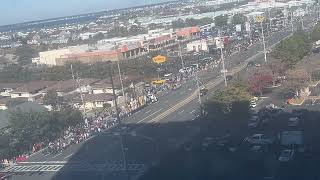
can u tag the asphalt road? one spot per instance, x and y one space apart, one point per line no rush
150 133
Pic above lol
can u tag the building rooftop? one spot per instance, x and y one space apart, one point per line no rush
9 85
34 86
70 85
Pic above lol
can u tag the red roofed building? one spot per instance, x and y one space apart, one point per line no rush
161 42
132 50
188 33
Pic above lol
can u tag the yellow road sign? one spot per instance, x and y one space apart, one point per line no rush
159 59
259 18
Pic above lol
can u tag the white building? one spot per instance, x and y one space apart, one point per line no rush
49 57
197 46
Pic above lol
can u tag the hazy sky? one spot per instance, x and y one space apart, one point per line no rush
16 11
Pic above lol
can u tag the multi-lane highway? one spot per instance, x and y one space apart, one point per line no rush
144 137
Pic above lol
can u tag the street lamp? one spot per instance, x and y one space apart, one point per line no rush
260 20
120 76
180 54
198 86
264 43
114 92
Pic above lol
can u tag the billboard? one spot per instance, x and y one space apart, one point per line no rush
219 43
159 59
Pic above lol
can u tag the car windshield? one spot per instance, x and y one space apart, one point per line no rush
159 89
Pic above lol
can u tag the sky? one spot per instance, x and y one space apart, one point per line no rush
17 11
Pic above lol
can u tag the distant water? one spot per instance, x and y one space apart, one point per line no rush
111 4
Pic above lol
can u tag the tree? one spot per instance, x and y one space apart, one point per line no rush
259 81
239 19
178 24
221 20
315 34
296 79
52 98
293 49
228 103
29 128
25 53
191 22
277 70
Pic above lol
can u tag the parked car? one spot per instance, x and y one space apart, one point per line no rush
286 155
258 139
253 104
257 65
229 77
253 121
293 121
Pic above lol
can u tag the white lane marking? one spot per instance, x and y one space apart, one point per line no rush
68 156
149 116
57 155
45 162
181 112
148 111
193 111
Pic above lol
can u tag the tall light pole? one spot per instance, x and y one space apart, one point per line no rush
264 43
180 54
260 20
223 68
221 45
292 29
199 89
114 92
120 76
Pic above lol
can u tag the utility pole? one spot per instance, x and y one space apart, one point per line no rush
264 43
302 24
114 92
180 54
198 86
78 80
120 76
223 69
80 91
292 29
72 72
222 60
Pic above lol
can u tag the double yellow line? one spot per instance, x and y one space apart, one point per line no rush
209 85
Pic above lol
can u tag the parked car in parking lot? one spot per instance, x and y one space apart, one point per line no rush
286 155
258 139
253 104
229 77
253 121
293 121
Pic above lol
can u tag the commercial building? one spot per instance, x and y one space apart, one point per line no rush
197 46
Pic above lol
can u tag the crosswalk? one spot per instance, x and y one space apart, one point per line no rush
81 167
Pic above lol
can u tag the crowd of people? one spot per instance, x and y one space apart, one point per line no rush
103 121
90 127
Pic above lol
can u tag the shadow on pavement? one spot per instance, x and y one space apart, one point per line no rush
192 150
